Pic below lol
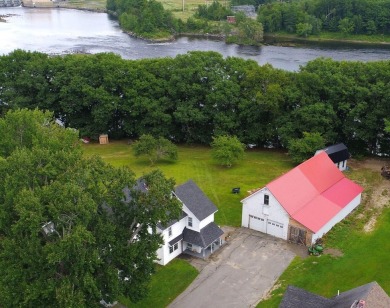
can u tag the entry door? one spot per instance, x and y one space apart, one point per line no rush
297 235
257 223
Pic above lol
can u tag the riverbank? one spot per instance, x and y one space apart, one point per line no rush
85 5
294 41
279 39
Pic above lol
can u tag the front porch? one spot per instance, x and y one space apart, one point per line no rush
205 252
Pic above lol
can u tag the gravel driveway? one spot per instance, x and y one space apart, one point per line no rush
240 273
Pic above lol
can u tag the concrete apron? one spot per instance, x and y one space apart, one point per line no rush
240 273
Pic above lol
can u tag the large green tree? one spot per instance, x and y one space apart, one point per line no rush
227 150
155 148
73 230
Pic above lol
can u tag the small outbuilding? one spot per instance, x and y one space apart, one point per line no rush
103 139
338 153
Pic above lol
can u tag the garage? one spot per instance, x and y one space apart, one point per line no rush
257 223
274 228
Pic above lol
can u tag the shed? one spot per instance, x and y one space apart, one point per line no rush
338 153
103 139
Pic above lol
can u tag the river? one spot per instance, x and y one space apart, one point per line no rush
61 31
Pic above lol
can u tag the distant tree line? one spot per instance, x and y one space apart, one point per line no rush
196 96
306 17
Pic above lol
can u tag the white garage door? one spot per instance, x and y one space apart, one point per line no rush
257 223
275 228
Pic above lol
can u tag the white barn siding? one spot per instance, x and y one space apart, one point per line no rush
336 219
271 219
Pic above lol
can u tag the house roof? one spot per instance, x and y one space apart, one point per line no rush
372 295
195 200
314 192
299 298
337 152
176 239
205 237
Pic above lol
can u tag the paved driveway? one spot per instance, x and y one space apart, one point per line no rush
239 274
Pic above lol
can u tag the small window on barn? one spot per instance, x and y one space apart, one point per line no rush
190 221
266 199
170 231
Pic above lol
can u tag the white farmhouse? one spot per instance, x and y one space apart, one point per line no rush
303 204
194 232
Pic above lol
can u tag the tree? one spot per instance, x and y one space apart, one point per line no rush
304 29
155 148
304 148
71 235
227 150
346 25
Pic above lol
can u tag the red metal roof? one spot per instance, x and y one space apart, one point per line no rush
314 192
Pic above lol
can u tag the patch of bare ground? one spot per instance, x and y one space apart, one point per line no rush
380 193
269 292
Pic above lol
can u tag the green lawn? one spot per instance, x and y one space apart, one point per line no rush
365 255
257 169
168 282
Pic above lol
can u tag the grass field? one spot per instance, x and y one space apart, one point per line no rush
365 255
256 170
168 282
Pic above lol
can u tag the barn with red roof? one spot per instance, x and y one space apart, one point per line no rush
303 204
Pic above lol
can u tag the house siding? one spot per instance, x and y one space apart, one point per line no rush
195 221
163 252
340 216
205 222
254 205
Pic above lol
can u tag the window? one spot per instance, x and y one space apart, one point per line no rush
266 199
189 246
170 231
173 247
190 221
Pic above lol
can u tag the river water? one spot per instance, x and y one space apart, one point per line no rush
61 31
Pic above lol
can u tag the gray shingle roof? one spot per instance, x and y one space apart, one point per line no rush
195 200
337 152
176 239
372 293
300 298
205 237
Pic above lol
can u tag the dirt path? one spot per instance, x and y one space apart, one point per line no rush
377 197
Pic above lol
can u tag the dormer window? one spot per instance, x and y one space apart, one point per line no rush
170 231
190 221
266 199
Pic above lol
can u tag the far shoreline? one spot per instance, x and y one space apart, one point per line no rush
270 39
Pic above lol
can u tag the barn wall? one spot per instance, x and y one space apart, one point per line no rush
340 216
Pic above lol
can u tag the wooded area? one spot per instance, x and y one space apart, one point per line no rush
199 95
306 17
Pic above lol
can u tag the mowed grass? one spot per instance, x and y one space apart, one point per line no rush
168 282
257 169
365 255
190 7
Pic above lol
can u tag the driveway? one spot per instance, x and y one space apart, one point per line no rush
240 274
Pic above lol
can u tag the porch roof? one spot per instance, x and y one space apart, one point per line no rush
205 237
176 239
